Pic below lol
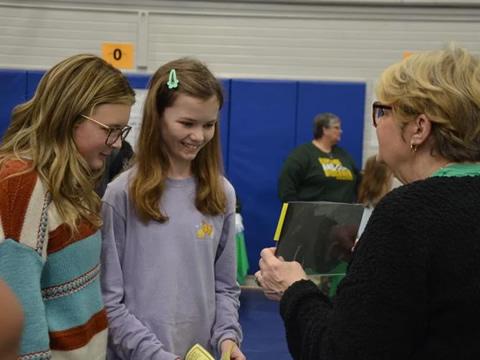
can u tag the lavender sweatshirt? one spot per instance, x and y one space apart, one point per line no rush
168 286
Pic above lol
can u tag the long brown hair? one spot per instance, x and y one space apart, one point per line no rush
152 162
41 131
376 182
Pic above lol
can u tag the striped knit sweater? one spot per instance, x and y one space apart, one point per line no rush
54 275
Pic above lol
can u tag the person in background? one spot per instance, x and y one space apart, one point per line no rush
320 170
377 181
412 288
51 155
169 267
116 163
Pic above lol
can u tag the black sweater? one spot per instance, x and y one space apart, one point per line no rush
412 289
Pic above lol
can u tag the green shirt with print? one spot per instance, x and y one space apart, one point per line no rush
310 174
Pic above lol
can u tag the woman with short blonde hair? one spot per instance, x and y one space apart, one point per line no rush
412 287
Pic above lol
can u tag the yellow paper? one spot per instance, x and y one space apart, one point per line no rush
281 219
198 352
120 55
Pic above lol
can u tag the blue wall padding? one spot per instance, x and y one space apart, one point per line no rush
138 81
12 92
347 100
225 122
261 122
33 78
262 126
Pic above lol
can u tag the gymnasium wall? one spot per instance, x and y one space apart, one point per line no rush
340 40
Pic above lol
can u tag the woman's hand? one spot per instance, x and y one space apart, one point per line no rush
230 346
276 275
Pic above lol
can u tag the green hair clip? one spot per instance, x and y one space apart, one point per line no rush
172 80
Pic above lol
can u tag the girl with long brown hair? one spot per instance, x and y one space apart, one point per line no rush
169 269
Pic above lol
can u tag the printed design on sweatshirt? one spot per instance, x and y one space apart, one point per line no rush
334 168
205 230
70 287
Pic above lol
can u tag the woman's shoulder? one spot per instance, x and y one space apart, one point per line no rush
403 194
307 147
19 177
229 189
339 151
229 193
302 149
436 184
12 167
430 192
422 212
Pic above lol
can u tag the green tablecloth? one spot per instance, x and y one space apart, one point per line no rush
340 269
329 281
242 259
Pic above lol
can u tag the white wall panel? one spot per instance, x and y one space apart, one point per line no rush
36 37
290 48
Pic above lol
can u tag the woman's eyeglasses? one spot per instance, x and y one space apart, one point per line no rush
113 133
378 110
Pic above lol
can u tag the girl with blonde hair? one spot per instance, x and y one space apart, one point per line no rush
169 267
50 157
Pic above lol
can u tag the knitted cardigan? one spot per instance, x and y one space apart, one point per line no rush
54 275
412 289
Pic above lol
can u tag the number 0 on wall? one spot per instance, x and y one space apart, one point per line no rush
120 55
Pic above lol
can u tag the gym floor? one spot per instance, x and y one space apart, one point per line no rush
263 331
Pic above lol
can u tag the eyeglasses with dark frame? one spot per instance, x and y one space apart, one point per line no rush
378 111
113 132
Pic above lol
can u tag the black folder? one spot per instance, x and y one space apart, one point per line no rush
318 234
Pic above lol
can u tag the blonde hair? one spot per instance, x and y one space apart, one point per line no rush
376 182
445 86
152 162
41 131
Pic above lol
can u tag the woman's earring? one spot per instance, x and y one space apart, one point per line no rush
413 147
